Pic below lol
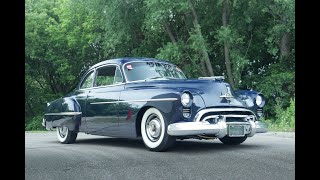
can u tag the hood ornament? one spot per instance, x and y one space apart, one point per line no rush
227 95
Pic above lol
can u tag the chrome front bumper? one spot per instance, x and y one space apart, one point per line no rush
204 128
219 129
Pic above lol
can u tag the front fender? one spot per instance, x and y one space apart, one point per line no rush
249 97
172 110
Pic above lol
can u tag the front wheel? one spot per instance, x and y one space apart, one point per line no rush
154 131
232 140
66 136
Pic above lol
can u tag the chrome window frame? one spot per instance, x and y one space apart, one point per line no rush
104 65
95 74
85 78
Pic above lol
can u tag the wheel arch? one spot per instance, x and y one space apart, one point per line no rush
139 119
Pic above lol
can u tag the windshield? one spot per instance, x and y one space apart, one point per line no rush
152 70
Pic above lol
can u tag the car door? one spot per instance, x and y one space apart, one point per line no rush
102 102
81 95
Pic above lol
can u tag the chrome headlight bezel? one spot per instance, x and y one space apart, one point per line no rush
259 100
186 99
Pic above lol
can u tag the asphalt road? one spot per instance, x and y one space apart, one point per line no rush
264 156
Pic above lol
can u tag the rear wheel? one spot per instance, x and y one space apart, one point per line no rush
232 140
154 131
66 136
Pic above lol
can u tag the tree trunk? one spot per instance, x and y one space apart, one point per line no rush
169 32
284 45
226 45
203 67
174 41
204 52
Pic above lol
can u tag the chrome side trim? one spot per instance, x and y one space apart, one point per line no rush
64 113
110 102
202 112
138 100
111 85
137 81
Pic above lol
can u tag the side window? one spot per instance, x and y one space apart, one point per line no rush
117 77
88 80
107 76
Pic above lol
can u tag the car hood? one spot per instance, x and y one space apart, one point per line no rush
213 92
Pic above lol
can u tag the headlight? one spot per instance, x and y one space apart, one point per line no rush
260 101
186 99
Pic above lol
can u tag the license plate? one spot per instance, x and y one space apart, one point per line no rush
236 130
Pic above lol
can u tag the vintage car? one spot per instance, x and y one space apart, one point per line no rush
153 99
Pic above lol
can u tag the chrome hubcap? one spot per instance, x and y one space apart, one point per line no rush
62 131
153 127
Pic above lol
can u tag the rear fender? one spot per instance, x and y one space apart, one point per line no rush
63 112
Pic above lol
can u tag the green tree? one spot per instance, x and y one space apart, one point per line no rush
251 42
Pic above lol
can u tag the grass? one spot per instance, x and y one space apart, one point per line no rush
284 120
280 129
279 126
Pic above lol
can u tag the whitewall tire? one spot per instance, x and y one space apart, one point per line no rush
66 136
154 131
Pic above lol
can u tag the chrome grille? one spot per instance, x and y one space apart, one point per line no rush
236 119
230 114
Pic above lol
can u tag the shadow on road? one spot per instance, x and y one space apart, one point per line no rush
120 142
180 146
211 145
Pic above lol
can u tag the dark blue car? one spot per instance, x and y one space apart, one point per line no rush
152 99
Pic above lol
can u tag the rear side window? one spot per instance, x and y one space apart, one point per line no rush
88 80
108 75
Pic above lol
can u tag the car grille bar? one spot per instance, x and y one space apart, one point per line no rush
231 114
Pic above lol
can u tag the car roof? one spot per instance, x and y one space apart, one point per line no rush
123 60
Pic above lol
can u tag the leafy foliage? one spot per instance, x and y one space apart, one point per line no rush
34 124
284 119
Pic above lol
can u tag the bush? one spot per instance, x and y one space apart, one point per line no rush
34 124
284 119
